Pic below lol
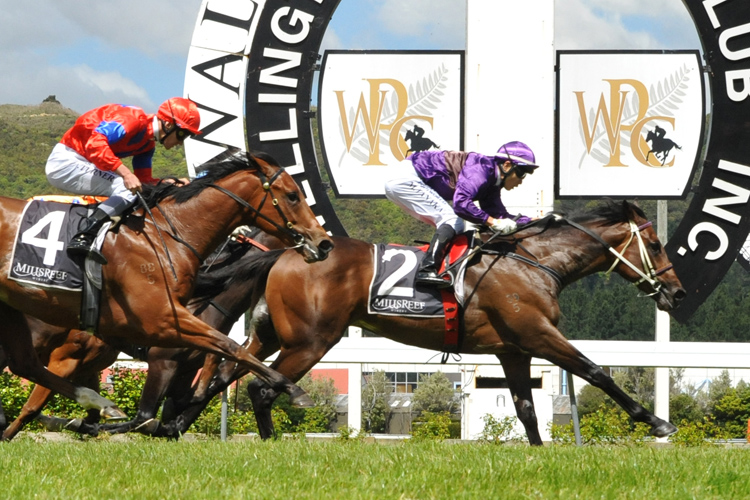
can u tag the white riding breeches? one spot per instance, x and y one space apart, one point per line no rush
68 170
419 200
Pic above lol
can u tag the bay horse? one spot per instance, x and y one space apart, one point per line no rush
223 292
511 309
143 302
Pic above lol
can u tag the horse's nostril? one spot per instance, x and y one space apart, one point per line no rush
325 246
680 295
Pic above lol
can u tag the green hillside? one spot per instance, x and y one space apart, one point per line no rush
27 136
594 308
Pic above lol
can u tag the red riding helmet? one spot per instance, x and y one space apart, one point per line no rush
182 112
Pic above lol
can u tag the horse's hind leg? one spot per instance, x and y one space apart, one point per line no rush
23 361
294 361
552 346
517 367
196 334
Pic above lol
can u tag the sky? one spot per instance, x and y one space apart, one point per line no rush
93 52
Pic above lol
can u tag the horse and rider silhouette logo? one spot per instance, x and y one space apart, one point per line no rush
417 141
660 145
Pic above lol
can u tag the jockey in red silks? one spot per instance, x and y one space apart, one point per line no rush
87 159
430 179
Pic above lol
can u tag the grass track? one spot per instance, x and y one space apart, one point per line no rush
355 470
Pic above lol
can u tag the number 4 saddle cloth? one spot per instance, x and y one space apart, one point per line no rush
39 254
393 291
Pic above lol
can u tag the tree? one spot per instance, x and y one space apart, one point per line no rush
375 409
434 394
733 411
322 390
720 387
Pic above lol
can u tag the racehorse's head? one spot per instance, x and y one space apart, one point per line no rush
256 192
286 214
645 262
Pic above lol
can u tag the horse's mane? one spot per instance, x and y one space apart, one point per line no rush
216 169
212 280
613 212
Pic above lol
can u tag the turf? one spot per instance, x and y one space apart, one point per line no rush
299 469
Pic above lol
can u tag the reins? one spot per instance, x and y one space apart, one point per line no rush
648 274
288 227
266 183
635 230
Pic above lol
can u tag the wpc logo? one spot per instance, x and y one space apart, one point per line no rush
628 112
376 107
387 114
630 124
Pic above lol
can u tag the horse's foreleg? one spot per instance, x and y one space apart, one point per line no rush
185 413
262 398
555 348
210 365
159 376
23 361
39 397
294 362
198 335
517 367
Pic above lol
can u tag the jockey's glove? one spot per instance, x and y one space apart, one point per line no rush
503 226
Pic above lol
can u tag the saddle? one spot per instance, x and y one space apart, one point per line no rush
393 291
39 257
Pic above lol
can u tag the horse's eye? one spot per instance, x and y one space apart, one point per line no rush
293 197
655 246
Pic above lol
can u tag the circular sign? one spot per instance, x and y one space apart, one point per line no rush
262 54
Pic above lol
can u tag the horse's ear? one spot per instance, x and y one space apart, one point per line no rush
628 209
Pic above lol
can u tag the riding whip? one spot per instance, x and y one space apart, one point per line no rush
163 243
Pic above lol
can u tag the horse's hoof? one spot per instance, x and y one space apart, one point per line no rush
664 429
112 414
301 400
149 427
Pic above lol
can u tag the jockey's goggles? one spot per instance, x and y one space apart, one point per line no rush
182 133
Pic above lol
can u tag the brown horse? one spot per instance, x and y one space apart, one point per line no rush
150 278
72 354
223 292
511 309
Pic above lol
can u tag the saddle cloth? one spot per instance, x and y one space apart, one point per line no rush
39 253
393 291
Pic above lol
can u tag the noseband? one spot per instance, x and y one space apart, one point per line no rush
649 273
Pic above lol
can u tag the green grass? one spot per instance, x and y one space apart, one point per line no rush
356 470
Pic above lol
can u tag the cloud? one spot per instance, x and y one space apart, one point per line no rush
89 52
437 23
624 24
28 79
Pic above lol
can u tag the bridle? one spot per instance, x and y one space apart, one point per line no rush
649 272
267 182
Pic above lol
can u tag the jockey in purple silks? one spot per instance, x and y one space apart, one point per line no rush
429 178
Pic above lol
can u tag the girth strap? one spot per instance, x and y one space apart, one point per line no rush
555 275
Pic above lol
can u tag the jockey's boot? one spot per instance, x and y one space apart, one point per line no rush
427 274
82 243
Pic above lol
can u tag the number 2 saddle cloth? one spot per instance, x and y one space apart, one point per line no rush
39 254
393 291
